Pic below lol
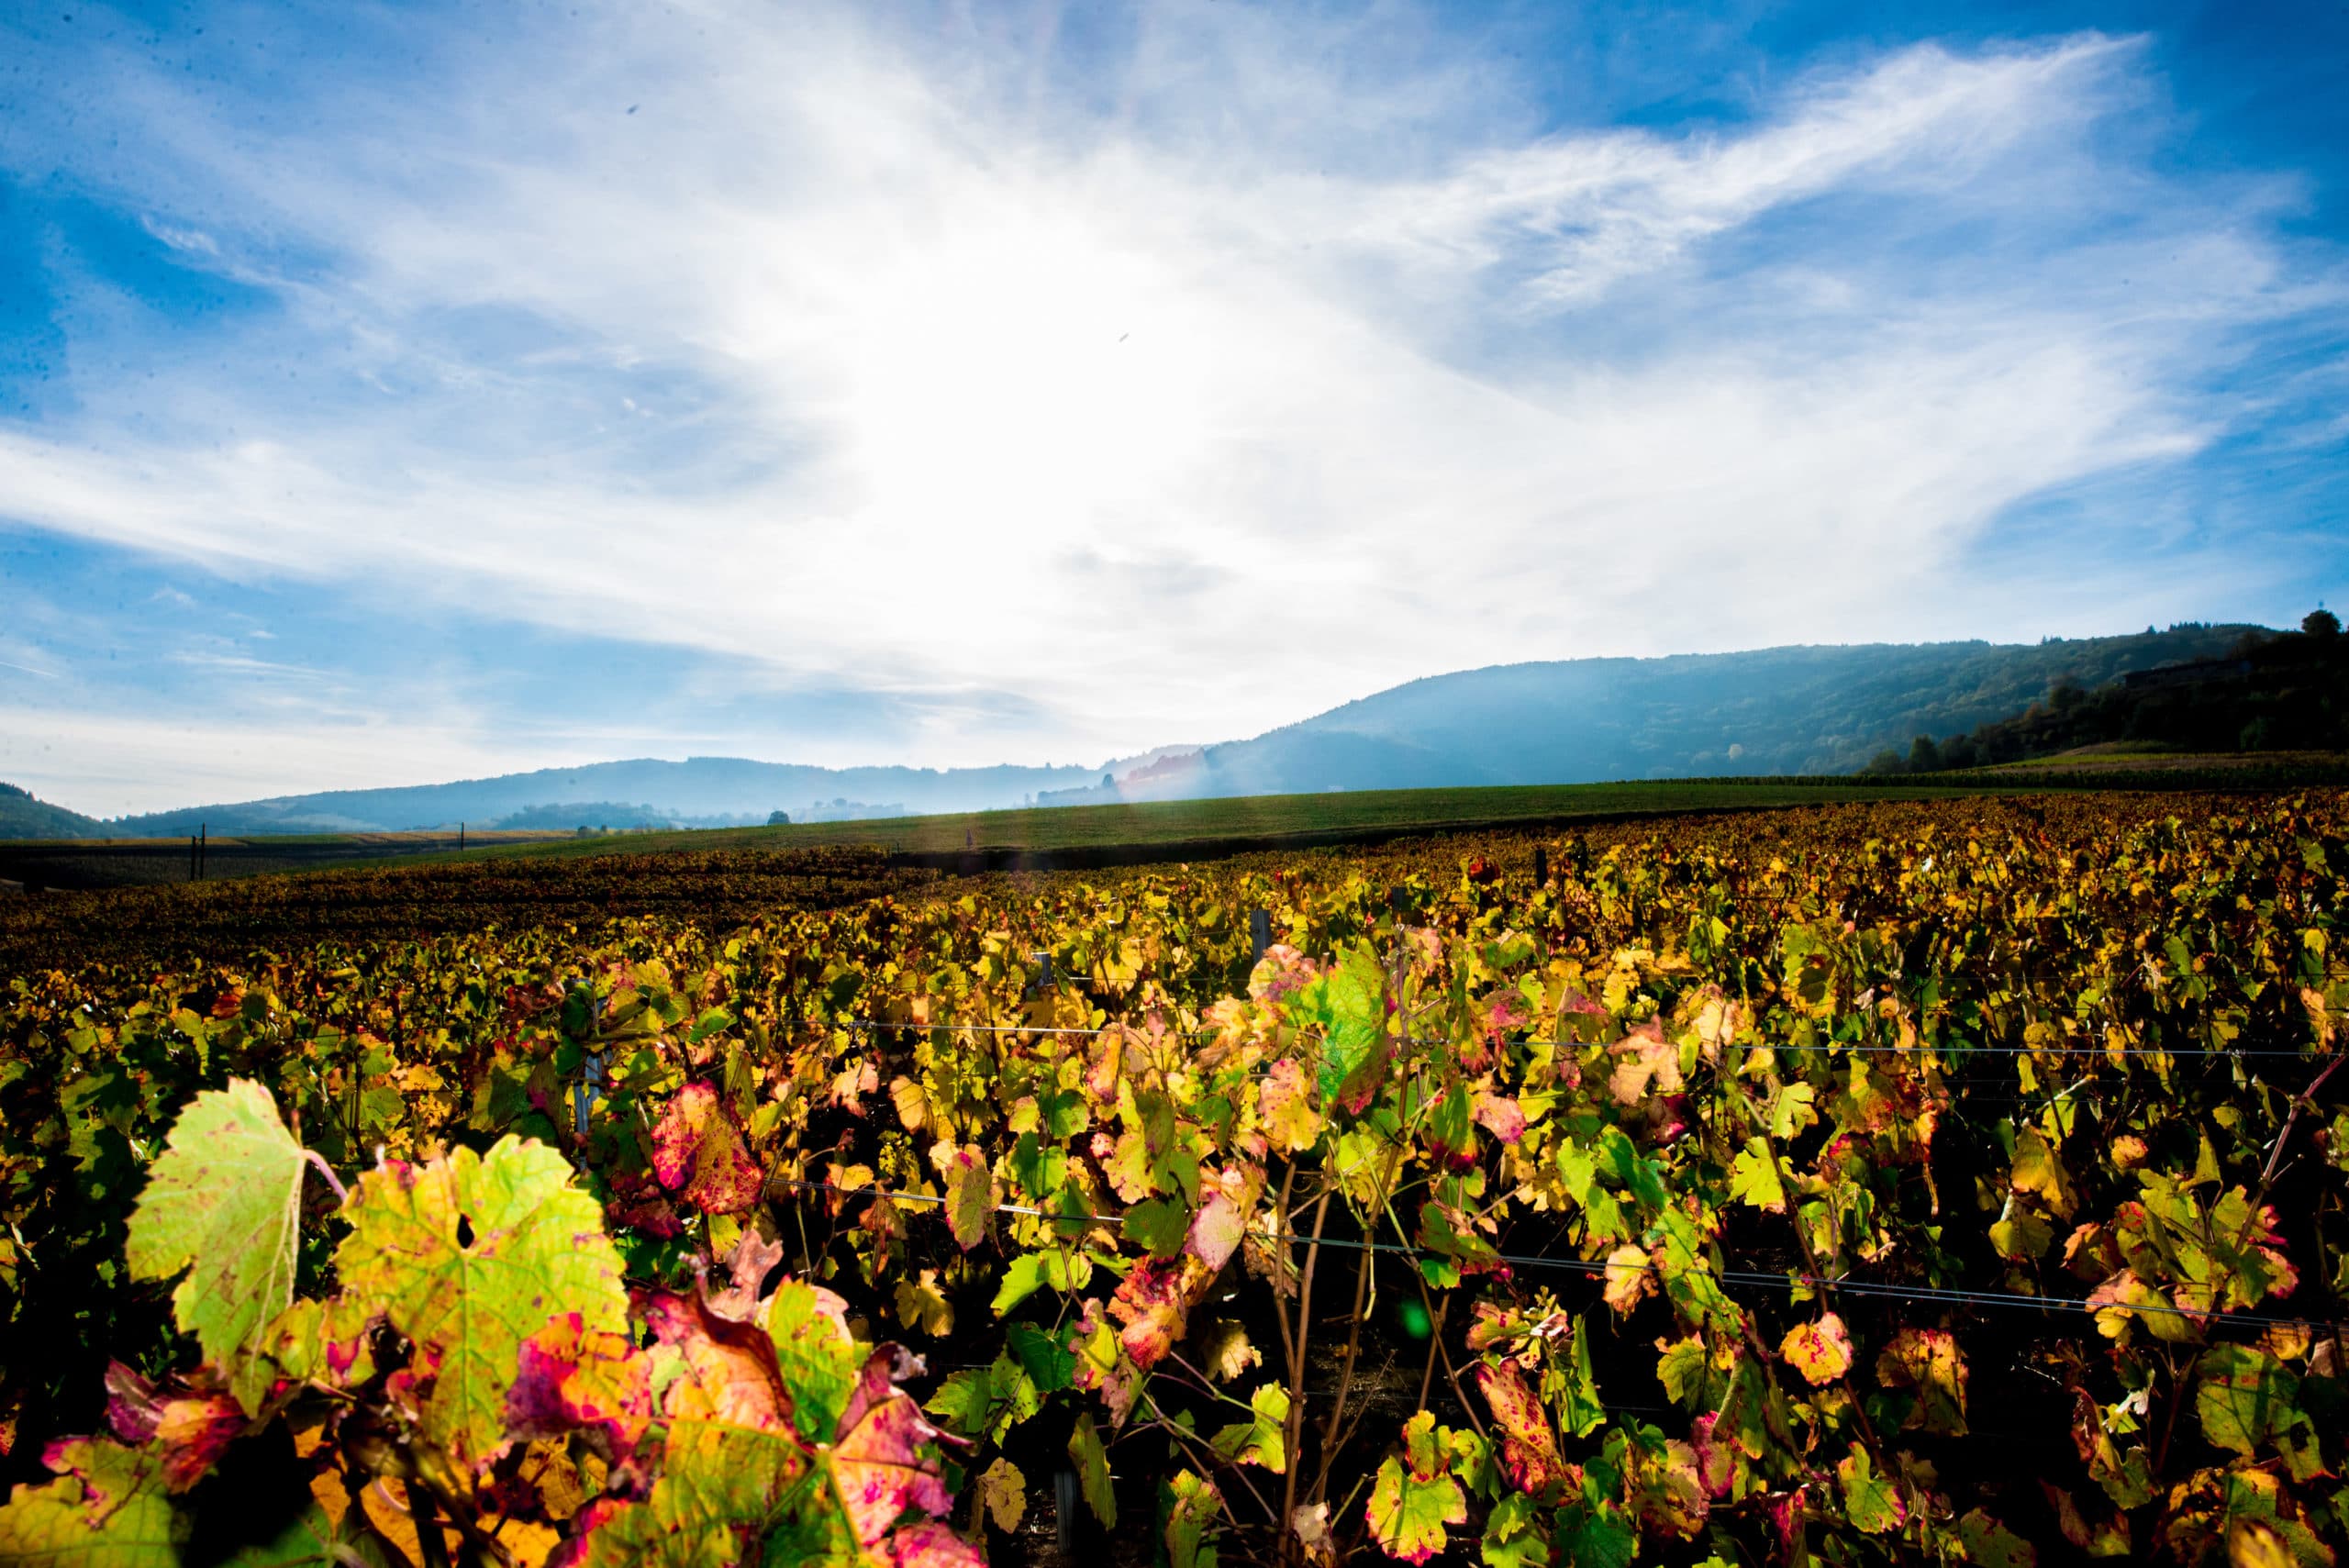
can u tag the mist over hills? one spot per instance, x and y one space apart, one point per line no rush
1797 710
699 792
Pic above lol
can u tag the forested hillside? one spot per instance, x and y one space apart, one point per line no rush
22 817
1778 710
2268 693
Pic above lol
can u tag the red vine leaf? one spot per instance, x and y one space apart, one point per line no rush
697 1153
877 1455
1529 1455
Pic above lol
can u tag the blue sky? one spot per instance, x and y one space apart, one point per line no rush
398 392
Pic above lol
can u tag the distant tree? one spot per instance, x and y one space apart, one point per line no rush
2256 736
778 818
1885 762
2321 622
1107 782
1924 757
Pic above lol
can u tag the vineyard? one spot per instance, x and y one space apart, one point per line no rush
205 921
1905 1183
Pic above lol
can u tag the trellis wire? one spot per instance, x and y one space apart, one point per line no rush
1932 1294
1832 1047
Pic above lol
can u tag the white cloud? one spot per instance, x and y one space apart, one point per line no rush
880 365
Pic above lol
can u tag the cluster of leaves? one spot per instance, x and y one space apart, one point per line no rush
1679 1204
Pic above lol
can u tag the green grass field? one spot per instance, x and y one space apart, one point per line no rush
1268 819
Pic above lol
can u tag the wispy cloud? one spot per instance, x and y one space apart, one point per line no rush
1267 359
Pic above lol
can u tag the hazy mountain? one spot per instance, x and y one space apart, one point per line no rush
1811 709
1776 710
700 791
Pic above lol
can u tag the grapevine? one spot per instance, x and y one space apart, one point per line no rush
1958 1182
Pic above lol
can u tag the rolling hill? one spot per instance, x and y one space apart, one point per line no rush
1791 710
1805 709
22 817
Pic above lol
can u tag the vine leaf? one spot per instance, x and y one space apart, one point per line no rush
721 1487
709 1367
1871 1501
1347 1006
2039 1168
971 1197
187 1431
1098 1363
107 1506
223 1202
1514 1536
697 1153
570 1378
1648 1061
1753 1178
986 1402
1153 1301
1193 1504
1500 1114
1627 1277
1092 1461
876 1455
1927 1361
1047 1361
1258 1441
1414 1497
1529 1455
1821 1351
1992 1544
923 1308
1226 1352
925 1543
467 1256
1003 1495
1158 1226
2243 1397
1284 1106
816 1357
1227 1197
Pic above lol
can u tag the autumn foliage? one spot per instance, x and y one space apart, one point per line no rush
1941 1183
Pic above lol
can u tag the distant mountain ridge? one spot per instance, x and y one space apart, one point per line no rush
1797 709
699 792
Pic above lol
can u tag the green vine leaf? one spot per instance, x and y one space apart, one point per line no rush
1092 1463
815 1355
1753 1178
223 1203
107 1507
1258 1441
468 1256
1193 1505
1414 1497
1871 1501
